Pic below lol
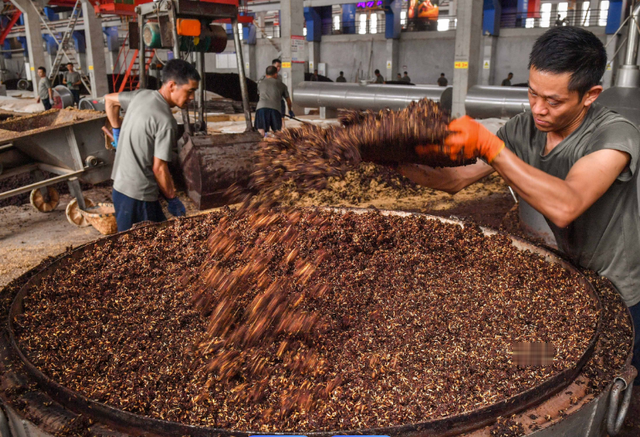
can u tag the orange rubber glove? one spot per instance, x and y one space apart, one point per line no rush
469 139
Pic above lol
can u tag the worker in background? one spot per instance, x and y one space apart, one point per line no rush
73 80
314 76
399 78
560 21
507 81
45 93
574 161
272 92
406 78
341 78
442 81
379 78
144 144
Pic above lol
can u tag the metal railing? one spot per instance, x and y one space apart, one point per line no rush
590 18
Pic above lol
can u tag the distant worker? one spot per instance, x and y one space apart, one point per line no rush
507 81
278 64
406 78
442 81
45 93
560 21
144 143
341 78
314 77
73 80
399 78
379 78
272 91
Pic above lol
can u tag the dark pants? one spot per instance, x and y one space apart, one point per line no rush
268 119
635 314
76 95
46 103
131 211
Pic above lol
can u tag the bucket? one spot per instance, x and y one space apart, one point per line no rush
102 217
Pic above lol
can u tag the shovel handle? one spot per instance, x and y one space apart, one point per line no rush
108 133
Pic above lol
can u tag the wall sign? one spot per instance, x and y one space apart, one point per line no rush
297 49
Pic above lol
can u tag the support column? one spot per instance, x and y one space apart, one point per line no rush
292 40
612 64
488 65
96 62
34 37
468 53
250 61
392 59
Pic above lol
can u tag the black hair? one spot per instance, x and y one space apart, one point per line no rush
406 72
44 70
441 74
276 60
377 72
572 50
315 70
510 74
271 70
69 63
342 72
179 71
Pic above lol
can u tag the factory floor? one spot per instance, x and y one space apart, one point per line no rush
27 237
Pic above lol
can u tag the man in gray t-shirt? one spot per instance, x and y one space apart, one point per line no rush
572 160
73 80
144 145
268 112
45 93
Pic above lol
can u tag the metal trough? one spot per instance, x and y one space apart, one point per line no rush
68 143
585 418
213 163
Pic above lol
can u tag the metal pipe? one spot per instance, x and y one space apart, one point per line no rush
631 56
142 80
241 73
496 101
41 184
375 97
202 126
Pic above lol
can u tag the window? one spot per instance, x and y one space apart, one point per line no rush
362 24
604 13
304 31
586 13
403 18
545 15
240 31
443 24
562 10
336 22
373 23
529 23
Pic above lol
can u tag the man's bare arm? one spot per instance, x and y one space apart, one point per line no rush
563 201
450 179
163 177
112 108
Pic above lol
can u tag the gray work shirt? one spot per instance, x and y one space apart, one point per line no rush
72 77
606 237
149 130
43 88
271 91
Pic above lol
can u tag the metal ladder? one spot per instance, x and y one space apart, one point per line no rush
64 51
